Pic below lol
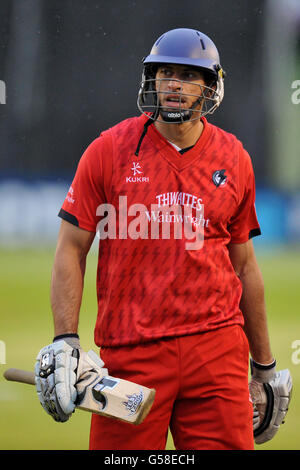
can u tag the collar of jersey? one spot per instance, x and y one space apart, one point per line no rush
172 155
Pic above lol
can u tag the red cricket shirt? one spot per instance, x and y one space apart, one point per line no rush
153 281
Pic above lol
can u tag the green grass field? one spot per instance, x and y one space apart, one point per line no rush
26 326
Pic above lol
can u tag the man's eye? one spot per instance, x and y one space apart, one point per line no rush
189 76
166 72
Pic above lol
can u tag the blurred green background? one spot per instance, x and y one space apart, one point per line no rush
26 326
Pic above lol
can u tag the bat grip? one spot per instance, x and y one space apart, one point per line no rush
18 375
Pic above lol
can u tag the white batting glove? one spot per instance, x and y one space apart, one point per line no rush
260 375
271 394
58 368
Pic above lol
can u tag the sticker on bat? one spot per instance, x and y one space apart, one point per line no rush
134 402
105 382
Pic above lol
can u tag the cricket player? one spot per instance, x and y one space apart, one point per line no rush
180 294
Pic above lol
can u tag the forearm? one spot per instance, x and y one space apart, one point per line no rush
66 290
254 311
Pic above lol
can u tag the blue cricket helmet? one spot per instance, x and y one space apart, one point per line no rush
185 47
182 46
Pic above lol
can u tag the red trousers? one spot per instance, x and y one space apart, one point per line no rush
202 393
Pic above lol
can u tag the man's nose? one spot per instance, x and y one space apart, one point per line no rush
174 83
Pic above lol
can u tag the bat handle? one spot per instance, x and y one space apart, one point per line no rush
18 375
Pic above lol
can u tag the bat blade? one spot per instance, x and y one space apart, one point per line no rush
114 397
108 396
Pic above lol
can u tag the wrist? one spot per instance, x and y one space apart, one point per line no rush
70 338
262 372
265 365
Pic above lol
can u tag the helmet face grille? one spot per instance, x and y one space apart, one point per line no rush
205 102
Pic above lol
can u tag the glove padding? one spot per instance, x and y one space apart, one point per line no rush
271 394
58 368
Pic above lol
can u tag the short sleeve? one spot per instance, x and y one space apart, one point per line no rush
88 188
244 225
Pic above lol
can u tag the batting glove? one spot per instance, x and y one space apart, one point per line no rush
58 368
270 393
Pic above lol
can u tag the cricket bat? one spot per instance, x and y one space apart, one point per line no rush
107 396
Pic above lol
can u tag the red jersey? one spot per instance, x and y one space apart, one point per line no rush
153 280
